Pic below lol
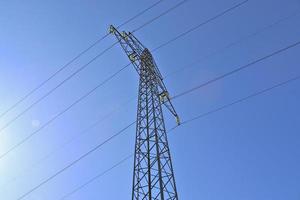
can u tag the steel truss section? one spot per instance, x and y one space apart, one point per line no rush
153 177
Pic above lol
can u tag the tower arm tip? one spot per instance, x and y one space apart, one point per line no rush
166 101
111 29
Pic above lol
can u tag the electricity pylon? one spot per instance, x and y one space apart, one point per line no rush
153 176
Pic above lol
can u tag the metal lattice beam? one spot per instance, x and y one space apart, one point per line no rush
153 177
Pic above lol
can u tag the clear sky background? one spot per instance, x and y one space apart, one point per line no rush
245 152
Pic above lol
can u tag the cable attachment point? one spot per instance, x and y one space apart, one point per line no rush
177 120
124 35
132 57
111 29
164 96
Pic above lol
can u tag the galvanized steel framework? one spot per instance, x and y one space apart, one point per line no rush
153 176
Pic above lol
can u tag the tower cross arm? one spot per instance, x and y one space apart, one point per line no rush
139 54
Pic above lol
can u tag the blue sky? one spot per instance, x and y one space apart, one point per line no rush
245 152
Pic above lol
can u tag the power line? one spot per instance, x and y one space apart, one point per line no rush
227 45
176 96
63 111
76 102
240 100
156 48
73 60
242 39
201 24
186 122
75 73
51 77
140 13
75 161
55 88
56 117
237 69
162 14
72 139
227 74
96 177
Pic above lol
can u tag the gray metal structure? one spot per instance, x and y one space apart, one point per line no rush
153 177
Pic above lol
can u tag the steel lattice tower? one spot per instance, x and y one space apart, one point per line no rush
153 176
